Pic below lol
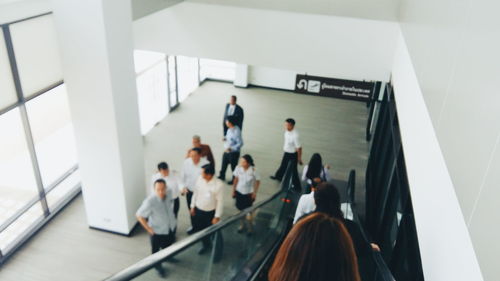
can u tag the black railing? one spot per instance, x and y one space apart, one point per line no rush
389 213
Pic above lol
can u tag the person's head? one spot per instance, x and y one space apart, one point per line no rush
207 172
232 100
327 199
314 167
195 154
289 124
161 188
317 248
230 121
196 141
246 161
163 168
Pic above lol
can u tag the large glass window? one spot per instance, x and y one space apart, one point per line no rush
172 81
151 71
38 160
37 53
52 131
187 71
7 89
17 180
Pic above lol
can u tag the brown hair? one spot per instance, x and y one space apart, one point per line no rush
318 248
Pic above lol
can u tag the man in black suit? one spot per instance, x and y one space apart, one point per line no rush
232 109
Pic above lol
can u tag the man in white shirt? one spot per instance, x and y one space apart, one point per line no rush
191 171
207 203
306 203
292 150
173 184
232 146
157 217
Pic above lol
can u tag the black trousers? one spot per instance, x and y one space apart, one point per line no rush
189 195
229 158
287 158
159 242
177 205
202 220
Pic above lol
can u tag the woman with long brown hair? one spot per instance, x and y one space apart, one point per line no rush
318 248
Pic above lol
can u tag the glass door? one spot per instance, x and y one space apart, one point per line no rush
173 96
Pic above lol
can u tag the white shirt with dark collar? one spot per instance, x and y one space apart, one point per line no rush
208 196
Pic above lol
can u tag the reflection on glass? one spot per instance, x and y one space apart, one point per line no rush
217 70
19 226
52 131
17 180
187 70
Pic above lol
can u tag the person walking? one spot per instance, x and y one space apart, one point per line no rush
191 171
157 217
234 110
245 186
232 146
205 149
292 150
207 204
173 184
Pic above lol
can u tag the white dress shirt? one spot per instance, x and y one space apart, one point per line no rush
292 142
191 172
208 196
172 181
324 174
305 206
246 179
230 109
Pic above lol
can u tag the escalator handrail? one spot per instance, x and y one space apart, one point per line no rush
158 257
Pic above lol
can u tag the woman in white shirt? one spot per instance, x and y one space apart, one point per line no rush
245 186
315 169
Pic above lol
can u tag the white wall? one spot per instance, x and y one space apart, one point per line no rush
322 45
370 9
445 245
272 77
16 10
455 49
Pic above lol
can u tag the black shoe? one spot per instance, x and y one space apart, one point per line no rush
274 178
190 231
161 272
221 178
230 182
203 250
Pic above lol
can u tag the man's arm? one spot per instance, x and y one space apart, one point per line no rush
219 204
144 224
210 156
299 155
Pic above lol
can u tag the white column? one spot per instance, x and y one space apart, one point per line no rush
96 42
241 76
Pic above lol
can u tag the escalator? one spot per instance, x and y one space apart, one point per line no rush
239 257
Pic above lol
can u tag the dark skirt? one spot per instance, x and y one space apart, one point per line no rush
243 201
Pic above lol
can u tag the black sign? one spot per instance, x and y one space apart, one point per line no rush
335 88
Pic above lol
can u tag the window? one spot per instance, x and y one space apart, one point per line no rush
151 71
52 131
17 181
172 82
7 89
187 71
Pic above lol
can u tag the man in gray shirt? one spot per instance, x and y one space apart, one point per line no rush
157 217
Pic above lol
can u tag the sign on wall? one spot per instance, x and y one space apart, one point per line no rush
335 88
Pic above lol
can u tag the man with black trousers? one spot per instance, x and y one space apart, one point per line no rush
232 146
233 109
157 217
207 203
292 150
